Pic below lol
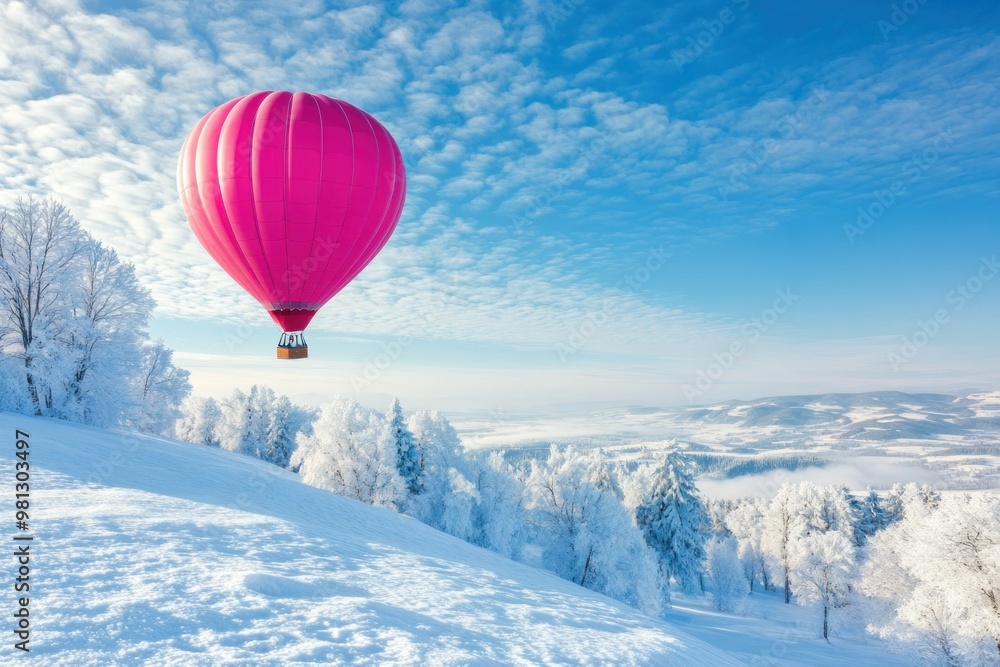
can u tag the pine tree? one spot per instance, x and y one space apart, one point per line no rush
673 520
407 453
260 424
872 516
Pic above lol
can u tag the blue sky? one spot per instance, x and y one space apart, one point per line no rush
604 198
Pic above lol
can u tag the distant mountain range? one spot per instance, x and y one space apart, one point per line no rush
954 437
878 416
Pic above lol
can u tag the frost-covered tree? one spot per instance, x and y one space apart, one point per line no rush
784 527
910 499
871 516
935 576
198 422
407 452
746 522
260 424
476 499
822 508
40 255
723 565
351 452
673 520
76 318
585 533
110 313
824 570
13 389
718 510
499 513
161 389
444 476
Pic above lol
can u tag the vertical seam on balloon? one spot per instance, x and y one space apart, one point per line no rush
319 189
371 205
285 184
221 246
353 269
253 201
355 262
237 245
350 192
381 244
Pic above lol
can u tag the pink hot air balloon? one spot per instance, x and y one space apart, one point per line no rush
293 195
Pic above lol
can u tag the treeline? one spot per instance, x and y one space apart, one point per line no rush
909 566
629 535
74 327
920 571
726 466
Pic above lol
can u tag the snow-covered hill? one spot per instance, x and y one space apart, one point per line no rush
149 551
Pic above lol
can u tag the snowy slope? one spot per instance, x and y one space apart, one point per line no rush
149 551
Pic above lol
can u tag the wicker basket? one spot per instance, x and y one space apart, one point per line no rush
293 352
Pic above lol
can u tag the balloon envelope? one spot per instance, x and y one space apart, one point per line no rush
293 194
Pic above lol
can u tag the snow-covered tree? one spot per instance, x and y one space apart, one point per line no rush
161 389
910 499
718 510
499 514
724 567
585 533
198 422
351 452
784 527
746 522
110 313
935 576
76 318
260 424
673 519
40 254
871 516
407 452
823 572
444 478
13 389
478 500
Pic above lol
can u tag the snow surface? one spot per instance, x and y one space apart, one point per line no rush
150 551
